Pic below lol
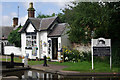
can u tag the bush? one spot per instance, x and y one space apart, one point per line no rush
75 56
71 55
87 56
116 55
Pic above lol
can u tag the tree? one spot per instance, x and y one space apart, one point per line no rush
60 15
87 17
15 38
45 16
102 19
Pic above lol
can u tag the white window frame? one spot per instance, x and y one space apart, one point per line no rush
30 41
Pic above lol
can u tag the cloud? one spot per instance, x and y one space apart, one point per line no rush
42 4
26 4
7 19
23 19
59 3
14 14
50 11
0 14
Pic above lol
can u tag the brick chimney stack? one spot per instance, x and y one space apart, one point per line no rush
31 10
15 21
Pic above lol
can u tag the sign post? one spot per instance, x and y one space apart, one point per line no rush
110 57
92 55
101 47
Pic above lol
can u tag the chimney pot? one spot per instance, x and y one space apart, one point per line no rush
31 5
31 10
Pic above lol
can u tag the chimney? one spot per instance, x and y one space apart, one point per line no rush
15 21
31 10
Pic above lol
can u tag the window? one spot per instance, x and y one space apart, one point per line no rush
30 40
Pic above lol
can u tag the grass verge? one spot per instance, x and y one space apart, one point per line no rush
16 59
84 66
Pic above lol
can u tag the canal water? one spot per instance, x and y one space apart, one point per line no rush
39 75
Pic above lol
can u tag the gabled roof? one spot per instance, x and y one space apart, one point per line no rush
47 22
58 30
5 31
35 22
39 23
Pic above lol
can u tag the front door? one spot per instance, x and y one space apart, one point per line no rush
54 48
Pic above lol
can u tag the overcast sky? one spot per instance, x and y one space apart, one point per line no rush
10 10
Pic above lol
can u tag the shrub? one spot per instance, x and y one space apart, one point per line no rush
116 55
87 56
74 55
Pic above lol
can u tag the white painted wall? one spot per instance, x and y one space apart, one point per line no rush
44 50
42 36
29 51
30 28
59 43
5 43
38 44
12 49
23 43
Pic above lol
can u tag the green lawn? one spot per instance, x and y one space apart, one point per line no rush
35 62
16 59
82 66
78 66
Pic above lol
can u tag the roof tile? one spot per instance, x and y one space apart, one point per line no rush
5 31
58 30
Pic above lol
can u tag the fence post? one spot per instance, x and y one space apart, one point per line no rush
12 60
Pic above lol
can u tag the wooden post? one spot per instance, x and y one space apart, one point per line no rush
2 48
12 61
45 61
12 58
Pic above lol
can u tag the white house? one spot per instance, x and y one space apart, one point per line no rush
7 48
4 32
43 36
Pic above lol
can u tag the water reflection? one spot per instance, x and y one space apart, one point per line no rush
39 75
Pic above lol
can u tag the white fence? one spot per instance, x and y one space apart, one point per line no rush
12 49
